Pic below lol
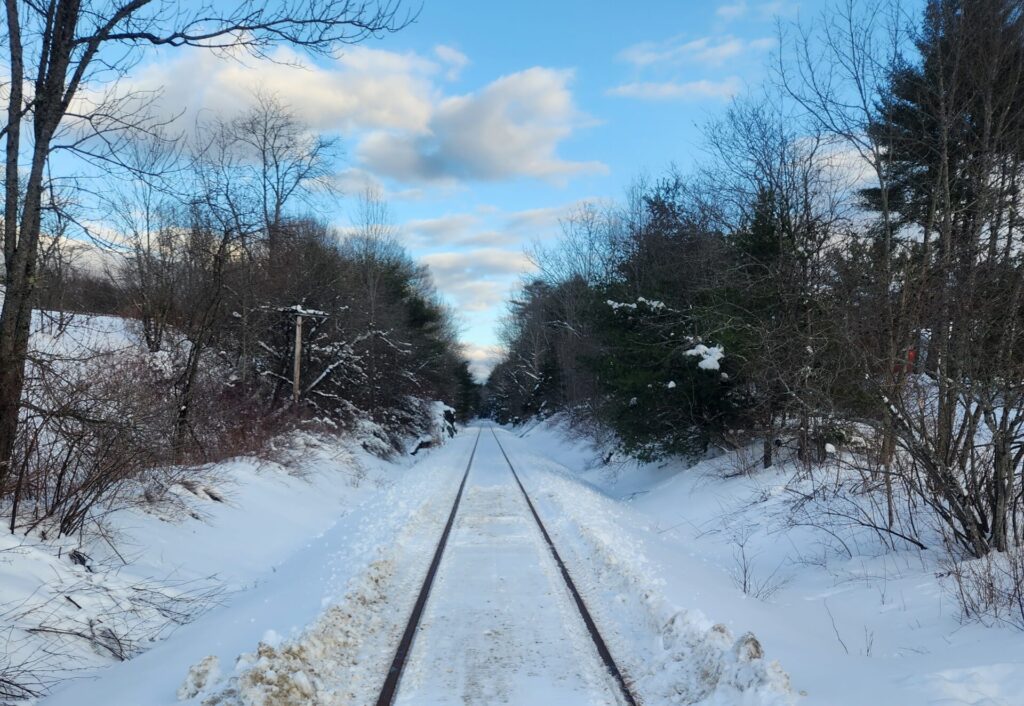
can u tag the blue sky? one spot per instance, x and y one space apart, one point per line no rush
485 122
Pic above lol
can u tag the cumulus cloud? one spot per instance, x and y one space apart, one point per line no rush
675 90
476 280
393 107
362 89
482 359
510 128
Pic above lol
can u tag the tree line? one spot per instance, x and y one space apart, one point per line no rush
212 254
841 277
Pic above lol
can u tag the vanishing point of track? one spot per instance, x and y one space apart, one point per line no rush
389 690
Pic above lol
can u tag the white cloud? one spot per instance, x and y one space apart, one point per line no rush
354 181
392 106
444 231
476 280
712 51
732 11
453 59
674 90
764 10
511 128
486 262
488 227
363 89
482 359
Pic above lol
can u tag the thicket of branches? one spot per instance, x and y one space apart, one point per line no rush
209 253
845 271
210 264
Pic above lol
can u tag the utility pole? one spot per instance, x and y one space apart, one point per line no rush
298 360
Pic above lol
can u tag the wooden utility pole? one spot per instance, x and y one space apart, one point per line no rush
298 360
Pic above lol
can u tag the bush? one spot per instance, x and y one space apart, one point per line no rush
989 590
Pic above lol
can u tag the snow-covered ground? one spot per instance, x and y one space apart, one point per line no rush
321 555
324 570
501 626
872 627
308 557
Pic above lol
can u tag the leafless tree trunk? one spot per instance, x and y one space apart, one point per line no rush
66 37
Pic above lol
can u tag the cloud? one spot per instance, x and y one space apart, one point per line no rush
732 11
511 128
712 51
486 262
488 227
674 90
362 89
763 10
444 231
453 59
482 359
476 280
393 107
354 181
543 222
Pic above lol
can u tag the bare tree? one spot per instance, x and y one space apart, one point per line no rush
287 161
56 48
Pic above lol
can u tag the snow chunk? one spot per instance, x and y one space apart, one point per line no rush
652 303
709 356
306 669
199 677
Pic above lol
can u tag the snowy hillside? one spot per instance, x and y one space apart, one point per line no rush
852 621
74 605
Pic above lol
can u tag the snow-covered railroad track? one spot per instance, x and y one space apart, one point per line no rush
595 634
387 692
505 622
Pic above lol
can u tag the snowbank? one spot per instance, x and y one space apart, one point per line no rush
299 547
874 626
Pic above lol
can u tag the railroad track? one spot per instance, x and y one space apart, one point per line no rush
389 690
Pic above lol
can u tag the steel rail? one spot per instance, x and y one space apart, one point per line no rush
390 688
595 634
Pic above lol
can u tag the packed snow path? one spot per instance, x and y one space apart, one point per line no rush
501 625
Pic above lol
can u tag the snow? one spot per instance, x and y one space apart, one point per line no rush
319 623
203 553
303 572
199 677
652 304
873 627
673 652
320 554
709 357
501 626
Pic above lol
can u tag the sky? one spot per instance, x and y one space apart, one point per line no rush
485 123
